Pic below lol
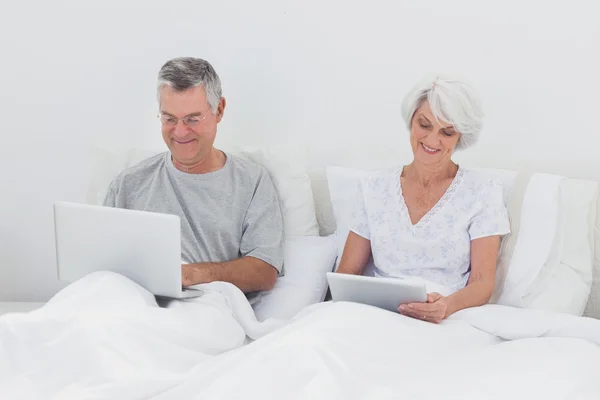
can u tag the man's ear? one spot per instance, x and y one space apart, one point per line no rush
221 109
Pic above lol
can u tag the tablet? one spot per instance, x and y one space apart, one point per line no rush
381 292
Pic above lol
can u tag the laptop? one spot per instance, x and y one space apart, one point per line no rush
140 245
381 292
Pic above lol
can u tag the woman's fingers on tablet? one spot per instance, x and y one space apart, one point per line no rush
431 312
433 297
409 312
422 307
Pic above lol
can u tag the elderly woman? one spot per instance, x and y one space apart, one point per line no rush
432 219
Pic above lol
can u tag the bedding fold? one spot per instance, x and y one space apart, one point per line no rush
105 337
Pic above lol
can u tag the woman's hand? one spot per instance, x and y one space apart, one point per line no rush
433 311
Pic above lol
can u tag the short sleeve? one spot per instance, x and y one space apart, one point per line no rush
262 230
115 195
110 199
359 222
491 217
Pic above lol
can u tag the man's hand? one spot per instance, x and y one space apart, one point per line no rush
193 275
434 310
249 274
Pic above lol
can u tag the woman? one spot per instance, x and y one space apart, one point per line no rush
432 219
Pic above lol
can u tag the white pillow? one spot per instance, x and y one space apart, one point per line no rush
551 263
286 166
507 245
565 283
593 306
307 260
536 241
343 185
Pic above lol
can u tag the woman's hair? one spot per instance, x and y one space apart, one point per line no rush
451 100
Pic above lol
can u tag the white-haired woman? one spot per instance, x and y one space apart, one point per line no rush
432 219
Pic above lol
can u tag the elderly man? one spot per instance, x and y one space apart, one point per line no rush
231 221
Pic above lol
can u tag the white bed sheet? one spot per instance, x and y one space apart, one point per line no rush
350 351
106 337
126 347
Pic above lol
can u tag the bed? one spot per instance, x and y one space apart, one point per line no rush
538 338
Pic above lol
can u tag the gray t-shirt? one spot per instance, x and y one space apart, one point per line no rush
226 214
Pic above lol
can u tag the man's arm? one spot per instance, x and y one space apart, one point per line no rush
247 273
261 246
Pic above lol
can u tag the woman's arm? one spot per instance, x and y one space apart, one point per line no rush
482 281
356 255
478 291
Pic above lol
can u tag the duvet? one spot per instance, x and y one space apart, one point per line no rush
106 338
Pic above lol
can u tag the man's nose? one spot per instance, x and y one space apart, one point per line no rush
180 129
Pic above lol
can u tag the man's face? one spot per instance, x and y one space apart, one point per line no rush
188 125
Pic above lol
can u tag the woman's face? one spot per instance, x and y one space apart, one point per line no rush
432 141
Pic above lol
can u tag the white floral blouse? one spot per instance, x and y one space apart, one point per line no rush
438 247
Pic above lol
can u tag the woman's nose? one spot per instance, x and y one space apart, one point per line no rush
433 138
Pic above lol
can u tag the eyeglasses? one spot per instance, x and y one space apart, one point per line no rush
189 120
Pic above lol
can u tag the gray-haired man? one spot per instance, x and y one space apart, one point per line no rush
230 216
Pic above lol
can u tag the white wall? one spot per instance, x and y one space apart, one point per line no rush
328 73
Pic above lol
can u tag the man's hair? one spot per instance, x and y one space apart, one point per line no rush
184 73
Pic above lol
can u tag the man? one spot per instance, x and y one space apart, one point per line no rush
231 220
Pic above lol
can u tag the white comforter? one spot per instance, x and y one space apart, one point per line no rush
105 338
